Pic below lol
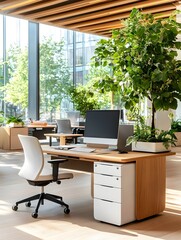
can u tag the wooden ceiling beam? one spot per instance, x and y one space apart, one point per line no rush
36 6
19 4
117 16
89 16
108 12
59 13
117 23
7 3
51 4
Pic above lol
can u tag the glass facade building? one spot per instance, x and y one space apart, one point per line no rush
53 71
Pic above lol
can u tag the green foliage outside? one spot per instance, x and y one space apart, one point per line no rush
87 97
54 76
143 63
1 118
16 90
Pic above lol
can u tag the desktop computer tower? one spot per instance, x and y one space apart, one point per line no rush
125 131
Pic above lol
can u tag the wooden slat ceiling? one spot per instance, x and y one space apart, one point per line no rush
90 16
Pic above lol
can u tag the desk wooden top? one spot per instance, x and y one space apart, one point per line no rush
63 135
112 156
40 126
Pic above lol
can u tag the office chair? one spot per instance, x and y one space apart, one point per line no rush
39 172
64 126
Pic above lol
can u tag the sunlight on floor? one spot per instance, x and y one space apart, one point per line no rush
4 208
173 201
59 230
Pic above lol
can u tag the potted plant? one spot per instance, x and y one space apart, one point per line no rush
13 121
150 140
176 127
143 54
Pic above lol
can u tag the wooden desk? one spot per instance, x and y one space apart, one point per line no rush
63 137
38 130
150 175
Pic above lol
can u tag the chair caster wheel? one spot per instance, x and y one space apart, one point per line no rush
66 210
28 204
15 207
34 215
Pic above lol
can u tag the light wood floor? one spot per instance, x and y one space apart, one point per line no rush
52 224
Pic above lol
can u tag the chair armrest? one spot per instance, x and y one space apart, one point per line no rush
55 163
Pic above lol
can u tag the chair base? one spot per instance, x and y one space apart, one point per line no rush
41 197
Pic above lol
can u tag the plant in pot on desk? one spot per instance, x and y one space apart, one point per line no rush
13 121
143 54
150 140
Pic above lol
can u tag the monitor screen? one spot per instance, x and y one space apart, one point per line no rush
101 127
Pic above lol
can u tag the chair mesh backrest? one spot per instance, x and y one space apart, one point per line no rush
33 157
63 126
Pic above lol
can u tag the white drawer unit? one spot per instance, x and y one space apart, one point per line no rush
114 192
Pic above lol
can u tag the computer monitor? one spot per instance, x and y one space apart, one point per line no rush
101 127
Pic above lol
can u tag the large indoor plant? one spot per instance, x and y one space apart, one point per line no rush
143 54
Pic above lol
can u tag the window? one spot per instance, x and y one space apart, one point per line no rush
14 70
57 71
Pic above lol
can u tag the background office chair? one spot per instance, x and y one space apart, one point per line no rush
64 126
40 173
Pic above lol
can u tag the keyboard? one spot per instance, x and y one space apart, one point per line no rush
82 149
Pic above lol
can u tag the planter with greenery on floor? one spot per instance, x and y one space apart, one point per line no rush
176 127
147 140
13 121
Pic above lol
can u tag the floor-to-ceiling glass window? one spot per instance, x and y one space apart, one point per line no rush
64 61
14 66
55 76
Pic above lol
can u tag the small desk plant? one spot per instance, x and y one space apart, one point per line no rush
142 55
13 121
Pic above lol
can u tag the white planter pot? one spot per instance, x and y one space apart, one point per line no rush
178 136
15 124
149 147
